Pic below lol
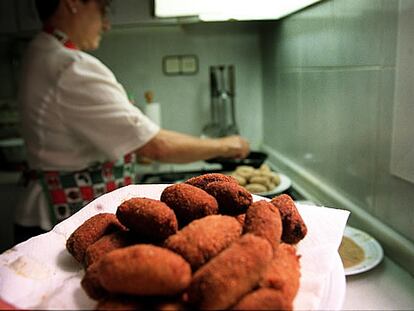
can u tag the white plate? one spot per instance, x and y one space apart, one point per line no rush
40 273
372 249
284 185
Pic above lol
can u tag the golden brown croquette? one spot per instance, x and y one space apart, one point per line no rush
230 275
283 273
91 284
189 202
144 269
148 217
106 244
118 302
91 231
294 228
124 302
232 198
204 238
264 299
263 219
240 218
203 180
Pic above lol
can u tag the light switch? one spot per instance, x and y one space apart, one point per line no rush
174 65
171 65
189 64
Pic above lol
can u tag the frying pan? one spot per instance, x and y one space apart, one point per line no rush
254 158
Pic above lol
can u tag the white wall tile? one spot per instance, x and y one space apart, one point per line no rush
136 55
334 91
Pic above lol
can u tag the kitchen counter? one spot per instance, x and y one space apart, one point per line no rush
386 287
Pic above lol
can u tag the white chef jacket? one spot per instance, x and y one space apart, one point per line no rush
74 114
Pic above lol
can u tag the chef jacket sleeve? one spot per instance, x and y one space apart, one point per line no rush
96 108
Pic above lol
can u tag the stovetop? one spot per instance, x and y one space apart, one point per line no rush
174 177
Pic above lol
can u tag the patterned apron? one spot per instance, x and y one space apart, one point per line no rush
68 192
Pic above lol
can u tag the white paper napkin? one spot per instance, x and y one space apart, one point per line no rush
40 273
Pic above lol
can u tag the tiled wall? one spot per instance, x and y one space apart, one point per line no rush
135 56
329 76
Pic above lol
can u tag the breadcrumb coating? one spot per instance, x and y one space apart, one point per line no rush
294 228
232 198
148 217
189 202
204 238
263 219
144 269
231 274
203 180
91 231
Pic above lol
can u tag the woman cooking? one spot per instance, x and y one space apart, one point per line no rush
81 132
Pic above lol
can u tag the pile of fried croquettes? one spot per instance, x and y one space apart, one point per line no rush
203 245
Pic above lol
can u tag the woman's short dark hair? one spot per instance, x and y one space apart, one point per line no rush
46 8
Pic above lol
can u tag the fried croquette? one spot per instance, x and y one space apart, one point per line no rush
204 238
230 275
264 299
240 218
121 303
232 198
144 269
294 228
91 231
139 303
283 273
263 219
189 202
106 244
203 180
91 284
147 217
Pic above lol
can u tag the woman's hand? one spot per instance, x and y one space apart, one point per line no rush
235 147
